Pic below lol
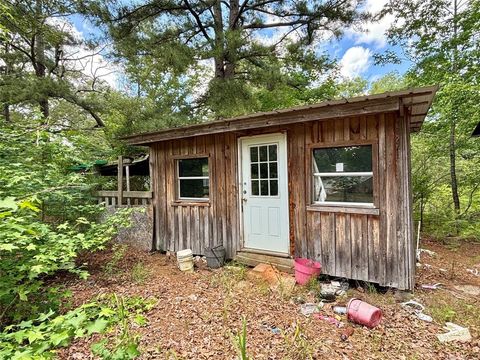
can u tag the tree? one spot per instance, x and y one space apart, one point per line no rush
41 57
440 38
250 44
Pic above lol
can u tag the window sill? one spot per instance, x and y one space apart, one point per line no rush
344 209
191 203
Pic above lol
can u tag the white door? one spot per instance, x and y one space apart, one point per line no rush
265 192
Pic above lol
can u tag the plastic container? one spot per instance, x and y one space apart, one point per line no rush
305 269
185 260
362 313
215 256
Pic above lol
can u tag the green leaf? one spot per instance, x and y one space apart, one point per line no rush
8 203
8 247
58 338
97 326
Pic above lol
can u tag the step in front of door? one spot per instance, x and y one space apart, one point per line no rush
253 259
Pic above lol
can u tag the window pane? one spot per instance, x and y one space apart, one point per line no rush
272 152
346 159
264 171
194 188
254 171
263 187
263 153
273 187
344 189
273 170
193 167
255 187
254 154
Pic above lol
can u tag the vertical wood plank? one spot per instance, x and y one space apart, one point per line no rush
382 174
328 242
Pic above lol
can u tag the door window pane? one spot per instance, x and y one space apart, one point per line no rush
264 187
254 154
263 153
263 170
255 188
273 187
254 171
272 152
273 170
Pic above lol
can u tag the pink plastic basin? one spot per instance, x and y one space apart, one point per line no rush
363 313
305 269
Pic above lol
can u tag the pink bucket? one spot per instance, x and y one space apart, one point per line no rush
363 313
305 269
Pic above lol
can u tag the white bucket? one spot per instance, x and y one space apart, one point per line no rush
185 260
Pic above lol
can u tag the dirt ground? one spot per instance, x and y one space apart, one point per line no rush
197 316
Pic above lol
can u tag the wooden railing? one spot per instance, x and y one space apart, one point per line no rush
124 198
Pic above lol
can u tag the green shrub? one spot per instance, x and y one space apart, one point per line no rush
31 250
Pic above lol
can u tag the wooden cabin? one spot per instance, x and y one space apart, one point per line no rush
329 182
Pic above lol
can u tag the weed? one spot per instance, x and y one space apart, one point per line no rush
313 284
119 251
371 289
297 344
139 273
241 341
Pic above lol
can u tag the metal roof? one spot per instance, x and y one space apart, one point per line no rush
416 101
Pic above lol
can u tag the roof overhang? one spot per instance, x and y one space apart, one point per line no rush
476 131
414 102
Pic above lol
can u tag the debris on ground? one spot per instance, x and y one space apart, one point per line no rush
361 312
340 310
346 333
308 309
474 272
417 309
455 333
432 287
272 328
426 251
329 319
330 291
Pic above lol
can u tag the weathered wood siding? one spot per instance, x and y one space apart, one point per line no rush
196 225
376 248
368 246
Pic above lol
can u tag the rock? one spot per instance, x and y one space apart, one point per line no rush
456 333
192 297
469 289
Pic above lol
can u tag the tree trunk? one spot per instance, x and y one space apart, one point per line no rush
453 170
452 145
219 54
40 68
232 27
6 106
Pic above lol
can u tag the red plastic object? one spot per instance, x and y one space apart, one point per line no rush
363 313
305 269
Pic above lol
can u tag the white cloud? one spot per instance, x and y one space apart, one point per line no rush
355 61
373 32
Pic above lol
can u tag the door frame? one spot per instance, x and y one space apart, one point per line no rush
240 189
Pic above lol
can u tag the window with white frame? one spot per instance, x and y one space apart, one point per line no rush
343 175
193 179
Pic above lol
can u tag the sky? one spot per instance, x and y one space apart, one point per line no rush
353 52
